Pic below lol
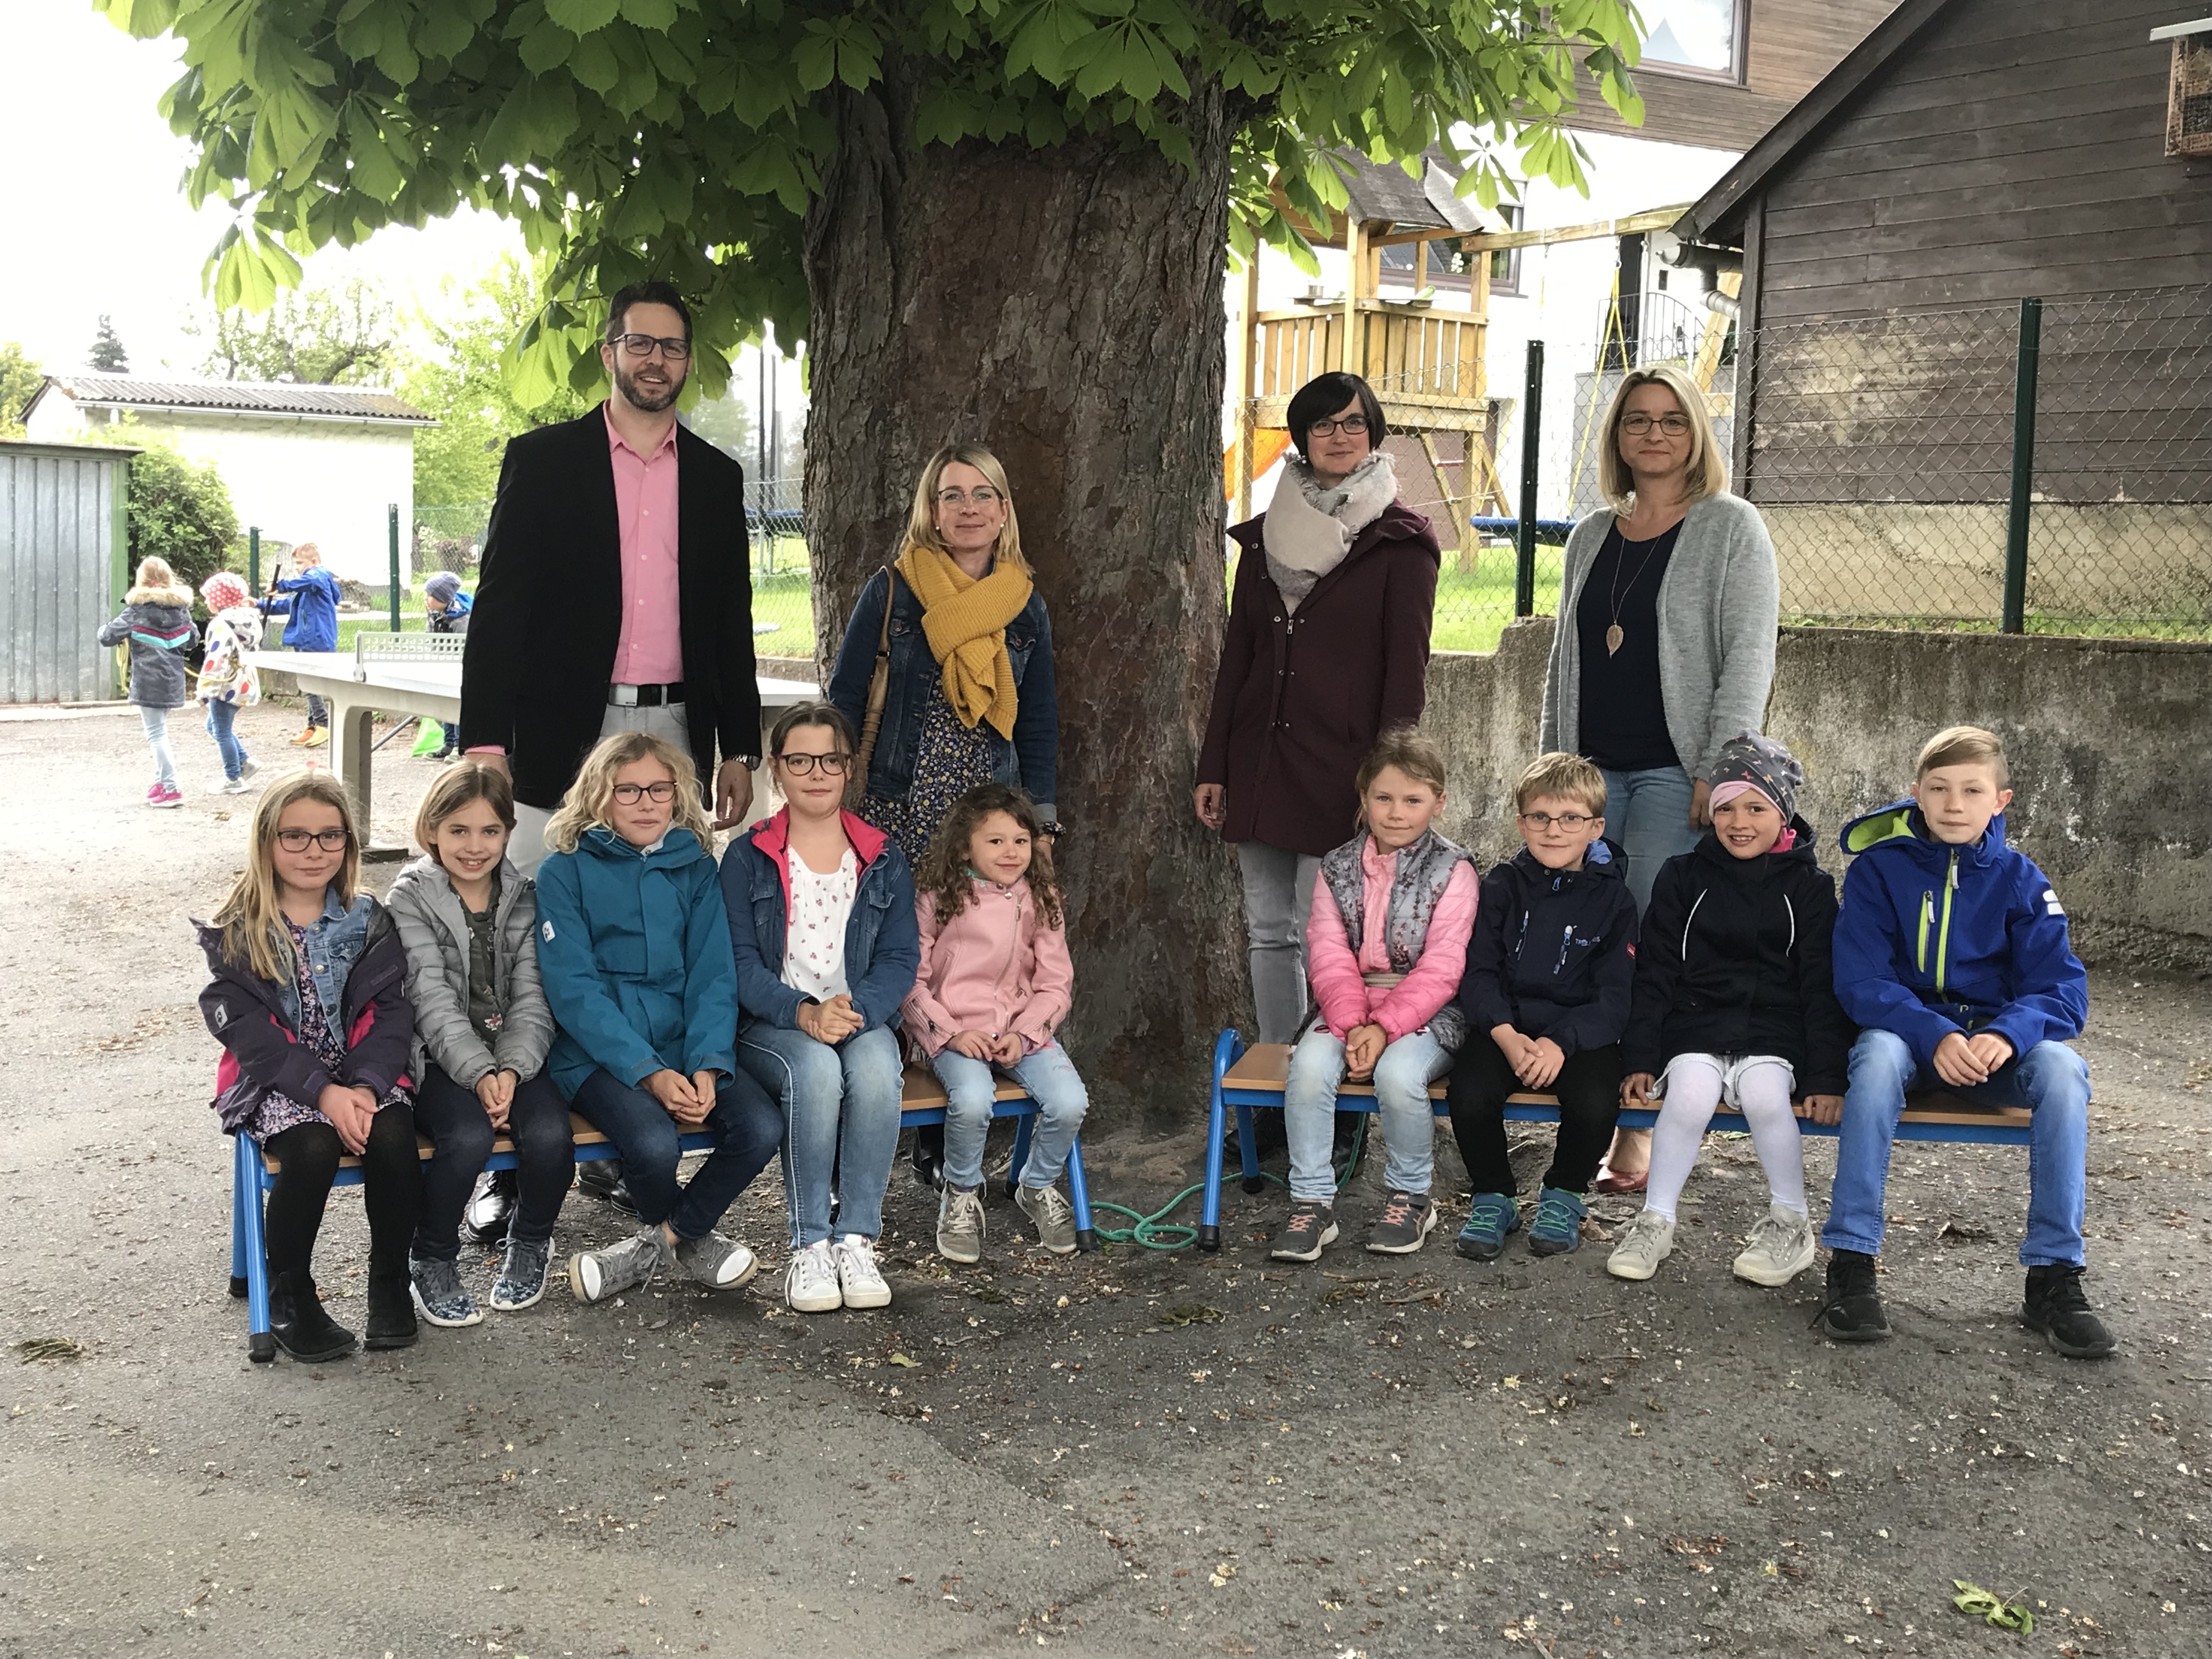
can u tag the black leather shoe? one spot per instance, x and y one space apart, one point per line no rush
2058 1311
1851 1311
391 1308
1267 1138
301 1327
929 1156
602 1178
490 1207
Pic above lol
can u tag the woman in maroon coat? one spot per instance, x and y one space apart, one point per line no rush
1327 646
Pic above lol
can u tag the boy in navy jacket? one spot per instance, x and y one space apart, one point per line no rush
1546 998
1951 952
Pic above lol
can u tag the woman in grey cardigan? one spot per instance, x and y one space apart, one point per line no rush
1664 647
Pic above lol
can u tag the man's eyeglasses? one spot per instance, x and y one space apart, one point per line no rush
801 766
1355 425
1637 424
1569 822
630 794
331 840
644 345
983 495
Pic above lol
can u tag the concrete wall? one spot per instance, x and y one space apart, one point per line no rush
2110 742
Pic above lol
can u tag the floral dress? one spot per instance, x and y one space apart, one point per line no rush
279 1112
951 760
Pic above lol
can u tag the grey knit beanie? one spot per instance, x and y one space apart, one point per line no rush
442 586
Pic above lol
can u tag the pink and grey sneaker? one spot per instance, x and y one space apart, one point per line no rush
165 794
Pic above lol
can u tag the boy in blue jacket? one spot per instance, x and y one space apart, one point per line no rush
1951 952
310 600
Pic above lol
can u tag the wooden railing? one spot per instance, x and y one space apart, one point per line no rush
1425 364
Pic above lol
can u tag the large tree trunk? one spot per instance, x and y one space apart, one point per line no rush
1063 308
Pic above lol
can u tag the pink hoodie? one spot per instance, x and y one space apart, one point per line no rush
1339 982
993 968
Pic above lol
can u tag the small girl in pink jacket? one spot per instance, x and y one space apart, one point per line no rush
994 985
1393 910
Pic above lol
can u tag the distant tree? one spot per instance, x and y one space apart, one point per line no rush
726 423
180 509
315 337
20 380
108 354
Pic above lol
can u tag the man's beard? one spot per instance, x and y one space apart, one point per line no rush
638 397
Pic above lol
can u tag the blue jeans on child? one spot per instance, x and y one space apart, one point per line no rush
1648 814
223 723
2050 1080
971 1086
746 1126
1402 1077
840 1108
156 722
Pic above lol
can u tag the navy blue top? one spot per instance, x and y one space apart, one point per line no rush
1624 717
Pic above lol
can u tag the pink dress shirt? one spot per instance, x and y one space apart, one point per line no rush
1339 979
649 651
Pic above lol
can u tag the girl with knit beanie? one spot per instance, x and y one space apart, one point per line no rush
229 682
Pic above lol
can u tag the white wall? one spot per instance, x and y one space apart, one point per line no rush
327 481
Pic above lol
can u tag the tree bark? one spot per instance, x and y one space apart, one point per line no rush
1062 307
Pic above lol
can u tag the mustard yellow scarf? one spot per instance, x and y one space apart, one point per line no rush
964 619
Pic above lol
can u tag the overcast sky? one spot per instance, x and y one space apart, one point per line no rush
95 214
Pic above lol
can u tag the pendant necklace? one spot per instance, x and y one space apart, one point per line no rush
1614 636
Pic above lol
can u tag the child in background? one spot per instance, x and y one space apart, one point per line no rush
309 1002
1385 949
1953 953
821 909
447 611
469 920
1735 1001
634 954
309 599
995 984
156 619
229 682
1546 997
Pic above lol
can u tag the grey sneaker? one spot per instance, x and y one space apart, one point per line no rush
960 1223
1304 1232
717 1262
439 1297
248 766
1405 1220
1054 1215
522 1274
1780 1248
597 1274
1649 1241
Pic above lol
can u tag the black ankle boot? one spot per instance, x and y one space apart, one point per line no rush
297 1320
1851 1311
391 1307
2058 1311
929 1156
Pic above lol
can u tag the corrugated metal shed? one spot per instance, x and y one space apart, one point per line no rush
63 546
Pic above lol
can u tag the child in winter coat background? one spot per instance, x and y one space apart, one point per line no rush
308 598
228 682
156 621
446 611
1735 1001
309 1001
994 985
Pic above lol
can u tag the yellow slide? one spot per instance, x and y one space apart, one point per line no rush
1268 444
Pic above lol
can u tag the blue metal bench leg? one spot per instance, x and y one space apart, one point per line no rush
260 1347
237 1232
1078 1195
1209 1215
1024 1127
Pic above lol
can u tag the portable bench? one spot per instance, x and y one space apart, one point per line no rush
922 1101
1245 1076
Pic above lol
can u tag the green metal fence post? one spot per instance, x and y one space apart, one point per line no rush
394 521
2023 466
1532 415
254 560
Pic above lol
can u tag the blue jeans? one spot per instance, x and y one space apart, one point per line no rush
156 722
2050 1080
223 723
1648 814
841 1109
971 1085
746 1127
1402 1077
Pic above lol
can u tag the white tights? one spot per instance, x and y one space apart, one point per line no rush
1694 1092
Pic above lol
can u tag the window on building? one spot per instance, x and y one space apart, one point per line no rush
1451 271
1695 37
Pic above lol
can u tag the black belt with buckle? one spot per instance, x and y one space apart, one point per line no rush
645 696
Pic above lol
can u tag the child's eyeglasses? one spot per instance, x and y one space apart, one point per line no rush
799 766
331 840
630 793
1569 822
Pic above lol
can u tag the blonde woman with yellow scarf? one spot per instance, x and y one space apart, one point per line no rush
968 696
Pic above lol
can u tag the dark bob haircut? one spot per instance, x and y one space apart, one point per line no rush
645 294
1322 396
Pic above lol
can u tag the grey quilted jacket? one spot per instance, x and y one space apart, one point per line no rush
433 925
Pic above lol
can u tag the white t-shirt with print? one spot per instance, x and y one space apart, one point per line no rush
814 945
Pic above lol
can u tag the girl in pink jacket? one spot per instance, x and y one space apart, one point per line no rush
995 983
1393 910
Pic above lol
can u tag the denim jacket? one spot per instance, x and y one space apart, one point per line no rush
1030 762
334 941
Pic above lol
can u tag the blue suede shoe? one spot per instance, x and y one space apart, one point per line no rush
1493 1217
1559 1225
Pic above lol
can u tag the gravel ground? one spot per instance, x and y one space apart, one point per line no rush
1118 1454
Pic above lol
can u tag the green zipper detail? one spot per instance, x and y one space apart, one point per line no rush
1926 914
1943 938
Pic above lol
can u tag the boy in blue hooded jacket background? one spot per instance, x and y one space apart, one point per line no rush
1952 953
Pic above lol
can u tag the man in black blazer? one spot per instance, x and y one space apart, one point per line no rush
616 593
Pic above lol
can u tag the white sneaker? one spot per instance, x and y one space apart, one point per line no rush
231 787
1780 1248
860 1280
810 1283
1649 1241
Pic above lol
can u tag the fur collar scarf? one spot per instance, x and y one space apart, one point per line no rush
1309 530
177 596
